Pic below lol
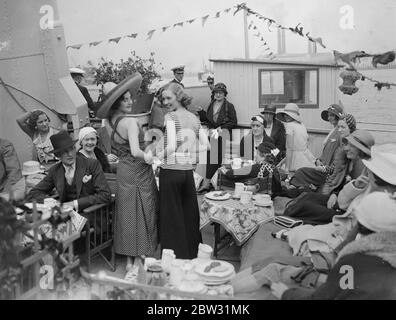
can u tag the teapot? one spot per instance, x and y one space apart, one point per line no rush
252 186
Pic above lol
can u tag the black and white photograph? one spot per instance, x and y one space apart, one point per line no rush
207 152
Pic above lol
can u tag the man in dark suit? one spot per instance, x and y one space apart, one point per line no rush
80 182
178 73
77 75
275 129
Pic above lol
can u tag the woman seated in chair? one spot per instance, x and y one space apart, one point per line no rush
87 147
264 168
256 136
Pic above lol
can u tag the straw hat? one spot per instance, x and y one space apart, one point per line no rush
335 109
383 162
31 167
107 87
292 110
377 212
131 83
361 139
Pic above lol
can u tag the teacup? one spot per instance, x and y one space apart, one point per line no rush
263 198
204 251
239 188
236 163
246 196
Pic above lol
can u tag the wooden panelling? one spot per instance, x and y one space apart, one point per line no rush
242 82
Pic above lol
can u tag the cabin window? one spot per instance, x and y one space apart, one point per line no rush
283 86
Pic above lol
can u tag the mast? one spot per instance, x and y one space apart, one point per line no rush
246 35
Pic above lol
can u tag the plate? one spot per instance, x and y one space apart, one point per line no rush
216 282
215 195
225 270
255 196
264 204
192 287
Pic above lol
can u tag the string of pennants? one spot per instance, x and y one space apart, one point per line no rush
252 26
150 33
348 58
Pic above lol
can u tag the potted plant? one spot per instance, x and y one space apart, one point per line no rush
108 71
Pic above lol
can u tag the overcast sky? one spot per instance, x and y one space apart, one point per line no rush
94 20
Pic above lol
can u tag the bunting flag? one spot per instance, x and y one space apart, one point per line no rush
204 20
116 40
178 24
349 58
76 46
315 40
240 7
94 44
150 34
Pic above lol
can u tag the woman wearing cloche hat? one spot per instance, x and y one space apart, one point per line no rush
137 195
220 116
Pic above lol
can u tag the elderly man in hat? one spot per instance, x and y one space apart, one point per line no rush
275 129
178 73
80 182
78 74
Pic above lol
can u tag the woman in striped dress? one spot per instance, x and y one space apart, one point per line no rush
179 212
135 234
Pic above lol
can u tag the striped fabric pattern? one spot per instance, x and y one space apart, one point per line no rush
180 160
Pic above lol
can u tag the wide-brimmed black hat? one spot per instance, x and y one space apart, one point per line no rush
131 84
61 141
335 109
270 108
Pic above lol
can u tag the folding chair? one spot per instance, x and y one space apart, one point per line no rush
98 233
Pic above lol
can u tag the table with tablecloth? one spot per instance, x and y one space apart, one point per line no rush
240 220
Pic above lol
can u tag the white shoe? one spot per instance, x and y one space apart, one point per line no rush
132 273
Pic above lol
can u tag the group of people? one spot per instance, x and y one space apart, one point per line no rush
148 218
347 202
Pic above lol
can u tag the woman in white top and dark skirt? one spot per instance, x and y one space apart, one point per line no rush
179 212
